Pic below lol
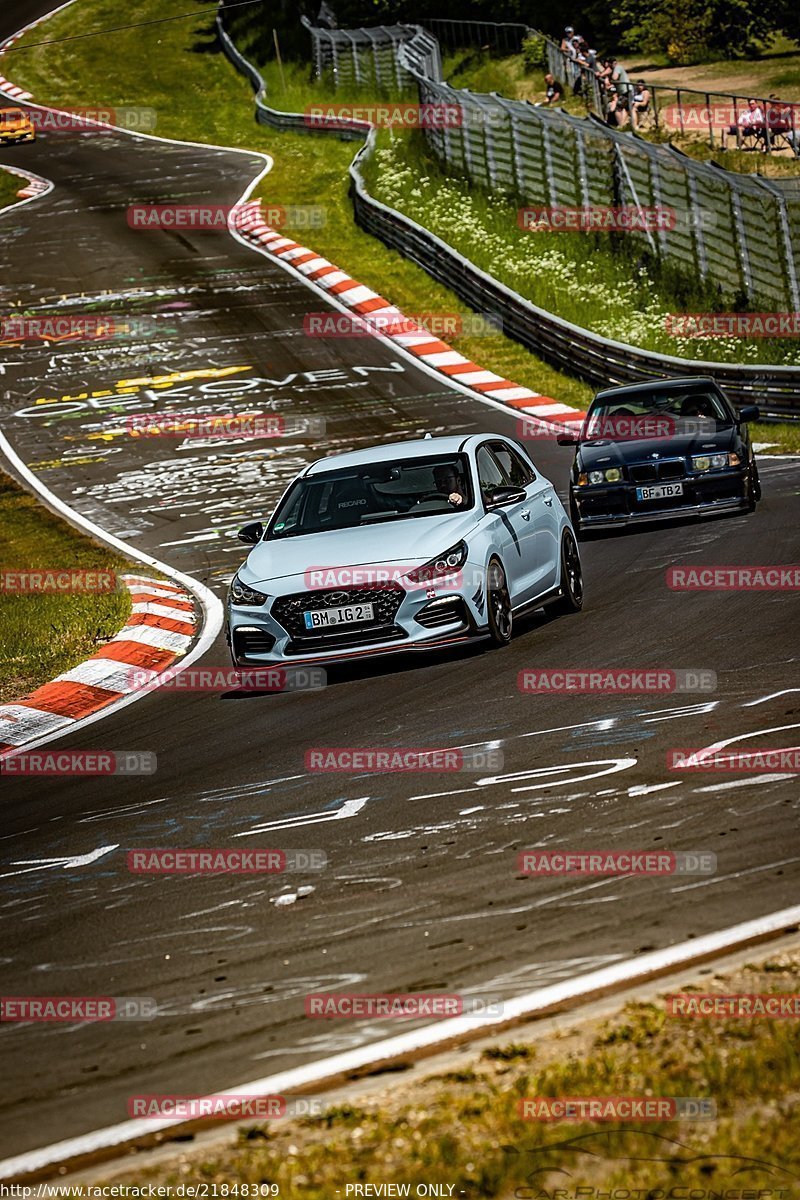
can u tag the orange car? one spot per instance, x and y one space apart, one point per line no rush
15 126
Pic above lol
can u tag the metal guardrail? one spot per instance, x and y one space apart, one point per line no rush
598 360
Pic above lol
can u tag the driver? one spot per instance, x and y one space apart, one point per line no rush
450 484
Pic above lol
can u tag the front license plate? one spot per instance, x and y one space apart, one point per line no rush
661 491
321 618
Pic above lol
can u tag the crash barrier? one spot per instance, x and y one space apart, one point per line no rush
598 360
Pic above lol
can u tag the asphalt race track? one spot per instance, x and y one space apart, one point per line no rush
422 891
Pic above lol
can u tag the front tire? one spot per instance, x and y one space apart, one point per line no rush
499 616
753 487
571 599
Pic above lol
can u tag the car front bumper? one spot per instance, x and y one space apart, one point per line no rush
419 618
600 506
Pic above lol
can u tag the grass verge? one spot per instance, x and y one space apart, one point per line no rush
9 186
464 1128
42 635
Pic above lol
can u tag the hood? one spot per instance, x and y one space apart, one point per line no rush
605 453
411 542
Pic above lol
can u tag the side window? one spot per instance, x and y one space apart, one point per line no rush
490 475
518 472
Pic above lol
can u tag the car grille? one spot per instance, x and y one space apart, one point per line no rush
288 611
668 469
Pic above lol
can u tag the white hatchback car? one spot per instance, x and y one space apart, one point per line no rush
400 547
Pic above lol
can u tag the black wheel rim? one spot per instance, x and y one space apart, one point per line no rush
572 569
500 601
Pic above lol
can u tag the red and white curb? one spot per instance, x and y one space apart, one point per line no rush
160 629
36 185
10 89
433 352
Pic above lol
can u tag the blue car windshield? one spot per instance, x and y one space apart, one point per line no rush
372 493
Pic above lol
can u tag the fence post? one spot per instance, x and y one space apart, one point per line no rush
741 239
699 232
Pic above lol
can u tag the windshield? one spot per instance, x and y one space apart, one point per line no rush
654 414
10 116
372 493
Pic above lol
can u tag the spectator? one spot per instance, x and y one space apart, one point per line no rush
640 100
750 121
621 78
781 122
603 73
615 111
554 93
566 41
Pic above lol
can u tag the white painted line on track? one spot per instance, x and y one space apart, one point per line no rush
427 1039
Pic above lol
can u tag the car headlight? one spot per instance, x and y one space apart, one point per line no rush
714 462
610 475
242 594
444 564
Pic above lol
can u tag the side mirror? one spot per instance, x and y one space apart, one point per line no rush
251 534
750 412
503 496
568 439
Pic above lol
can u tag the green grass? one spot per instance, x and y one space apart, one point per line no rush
216 104
585 278
9 186
483 72
42 635
463 1128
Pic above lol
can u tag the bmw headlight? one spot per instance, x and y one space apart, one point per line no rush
444 564
714 462
610 475
242 594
